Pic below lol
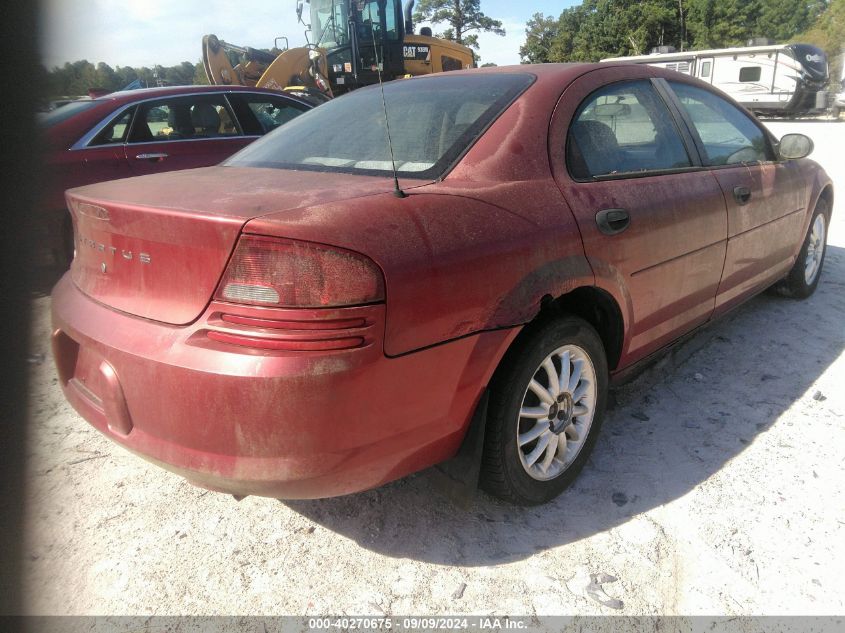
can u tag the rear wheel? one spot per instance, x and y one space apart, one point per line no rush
804 276
546 405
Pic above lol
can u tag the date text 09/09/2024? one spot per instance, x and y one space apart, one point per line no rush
417 623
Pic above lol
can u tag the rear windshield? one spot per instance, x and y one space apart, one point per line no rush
63 113
432 123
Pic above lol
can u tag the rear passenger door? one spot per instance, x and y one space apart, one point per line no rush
766 209
652 220
183 132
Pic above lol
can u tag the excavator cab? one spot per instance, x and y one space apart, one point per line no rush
351 43
360 37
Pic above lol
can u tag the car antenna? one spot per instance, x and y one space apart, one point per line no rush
396 190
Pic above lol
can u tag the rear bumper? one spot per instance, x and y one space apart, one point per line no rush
279 423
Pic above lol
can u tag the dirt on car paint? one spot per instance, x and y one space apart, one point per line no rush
716 487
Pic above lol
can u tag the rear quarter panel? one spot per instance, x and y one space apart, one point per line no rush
453 264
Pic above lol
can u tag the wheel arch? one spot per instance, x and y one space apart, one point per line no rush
590 303
826 194
598 308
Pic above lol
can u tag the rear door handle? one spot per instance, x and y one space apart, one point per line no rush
152 157
742 195
612 221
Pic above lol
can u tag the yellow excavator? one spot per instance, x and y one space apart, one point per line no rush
349 42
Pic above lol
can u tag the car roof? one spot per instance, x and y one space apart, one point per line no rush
559 73
125 96
545 71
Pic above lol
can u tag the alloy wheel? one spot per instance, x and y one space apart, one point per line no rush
557 411
815 250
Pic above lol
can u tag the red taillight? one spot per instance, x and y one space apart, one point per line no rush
268 271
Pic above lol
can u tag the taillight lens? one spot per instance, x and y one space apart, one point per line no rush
268 271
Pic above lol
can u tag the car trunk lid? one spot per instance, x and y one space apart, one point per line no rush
156 246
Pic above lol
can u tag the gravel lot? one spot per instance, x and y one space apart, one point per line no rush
717 488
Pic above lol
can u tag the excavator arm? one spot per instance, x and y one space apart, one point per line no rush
301 69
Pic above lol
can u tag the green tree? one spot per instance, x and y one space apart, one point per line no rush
105 77
125 76
782 19
462 18
200 78
723 23
540 32
597 29
568 29
828 33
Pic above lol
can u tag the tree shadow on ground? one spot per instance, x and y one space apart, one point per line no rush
670 430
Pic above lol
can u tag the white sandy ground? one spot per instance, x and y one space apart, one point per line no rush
729 471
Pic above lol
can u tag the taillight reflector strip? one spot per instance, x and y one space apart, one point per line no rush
277 324
293 345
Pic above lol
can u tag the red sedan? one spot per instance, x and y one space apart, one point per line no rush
147 131
297 323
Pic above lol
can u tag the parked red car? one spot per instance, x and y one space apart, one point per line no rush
147 131
292 324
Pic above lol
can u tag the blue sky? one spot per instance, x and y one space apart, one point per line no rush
147 32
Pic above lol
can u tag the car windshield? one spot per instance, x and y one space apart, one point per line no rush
432 122
63 113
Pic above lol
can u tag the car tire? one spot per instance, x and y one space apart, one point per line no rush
804 276
516 467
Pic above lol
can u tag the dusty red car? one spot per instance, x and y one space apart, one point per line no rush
292 324
148 131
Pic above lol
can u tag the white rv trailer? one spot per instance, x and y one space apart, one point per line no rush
776 80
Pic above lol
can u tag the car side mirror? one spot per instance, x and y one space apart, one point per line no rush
794 146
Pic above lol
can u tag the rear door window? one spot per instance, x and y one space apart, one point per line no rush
728 135
115 131
623 128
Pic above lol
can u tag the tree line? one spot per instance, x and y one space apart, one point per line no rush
79 77
597 29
